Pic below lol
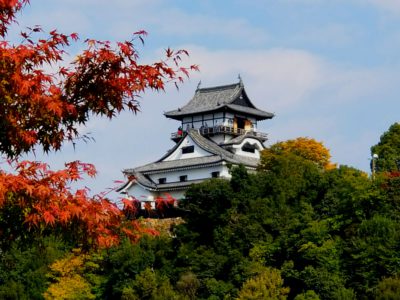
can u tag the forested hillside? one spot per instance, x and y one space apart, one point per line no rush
299 228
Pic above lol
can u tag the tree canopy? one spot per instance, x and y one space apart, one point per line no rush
388 150
304 147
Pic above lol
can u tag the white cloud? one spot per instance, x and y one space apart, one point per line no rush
282 79
278 77
337 104
121 18
185 24
392 6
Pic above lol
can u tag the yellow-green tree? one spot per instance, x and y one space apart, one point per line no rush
68 280
304 147
267 285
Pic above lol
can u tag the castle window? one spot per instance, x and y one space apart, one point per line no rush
215 174
249 148
162 180
187 149
183 178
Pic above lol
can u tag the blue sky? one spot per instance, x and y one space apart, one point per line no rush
328 69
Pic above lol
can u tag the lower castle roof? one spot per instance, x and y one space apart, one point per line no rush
218 156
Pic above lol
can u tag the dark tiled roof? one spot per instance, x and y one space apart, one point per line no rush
139 178
209 145
185 164
218 98
247 161
145 181
217 156
203 143
237 140
260 114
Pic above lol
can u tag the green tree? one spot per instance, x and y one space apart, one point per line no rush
373 252
308 295
24 267
267 285
207 205
388 289
188 284
388 150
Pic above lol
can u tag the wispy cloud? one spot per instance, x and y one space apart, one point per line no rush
186 24
123 17
311 96
279 77
392 6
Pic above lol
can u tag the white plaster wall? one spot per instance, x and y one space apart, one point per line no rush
256 154
225 172
140 193
192 174
143 195
220 139
177 154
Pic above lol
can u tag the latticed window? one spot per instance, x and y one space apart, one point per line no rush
187 149
215 174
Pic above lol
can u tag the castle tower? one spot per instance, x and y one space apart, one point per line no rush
218 127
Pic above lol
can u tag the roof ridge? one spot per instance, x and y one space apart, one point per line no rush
218 87
218 98
209 146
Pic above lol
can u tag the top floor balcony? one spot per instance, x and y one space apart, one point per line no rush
221 129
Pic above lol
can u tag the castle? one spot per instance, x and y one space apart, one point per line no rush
218 128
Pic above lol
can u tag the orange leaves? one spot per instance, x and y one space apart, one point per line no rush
306 148
130 206
49 218
45 199
8 9
45 108
163 203
76 168
32 106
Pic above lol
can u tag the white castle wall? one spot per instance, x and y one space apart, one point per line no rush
192 174
177 154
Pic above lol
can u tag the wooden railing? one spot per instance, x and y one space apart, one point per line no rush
208 131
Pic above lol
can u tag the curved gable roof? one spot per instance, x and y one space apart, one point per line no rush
217 154
232 96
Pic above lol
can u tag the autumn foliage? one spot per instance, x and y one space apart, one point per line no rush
43 102
304 147
44 108
44 199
